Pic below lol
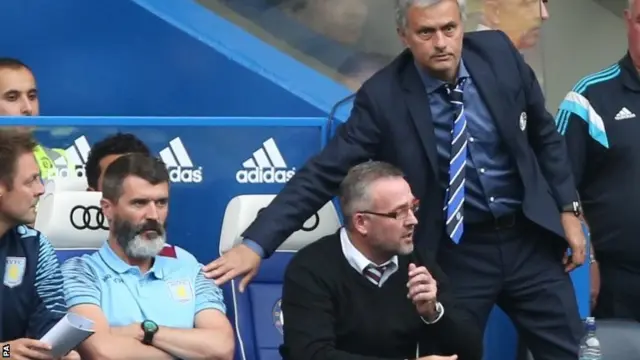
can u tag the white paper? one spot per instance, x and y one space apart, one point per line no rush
67 334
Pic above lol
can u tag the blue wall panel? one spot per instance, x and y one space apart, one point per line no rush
154 58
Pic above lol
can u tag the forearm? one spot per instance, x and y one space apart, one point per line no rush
193 343
117 347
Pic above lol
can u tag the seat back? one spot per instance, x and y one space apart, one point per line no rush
69 183
619 339
73 222
256 313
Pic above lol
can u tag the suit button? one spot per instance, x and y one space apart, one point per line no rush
482 170
492 199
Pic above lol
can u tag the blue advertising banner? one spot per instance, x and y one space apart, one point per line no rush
210 161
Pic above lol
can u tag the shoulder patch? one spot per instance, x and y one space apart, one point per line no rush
168 251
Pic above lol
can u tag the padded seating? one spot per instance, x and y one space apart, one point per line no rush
60 184
72 221
619 339
256 313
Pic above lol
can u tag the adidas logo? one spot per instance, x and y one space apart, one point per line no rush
179 164
624 114
266 166
76 156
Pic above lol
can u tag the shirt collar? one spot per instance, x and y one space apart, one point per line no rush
432 84
355 258
120 266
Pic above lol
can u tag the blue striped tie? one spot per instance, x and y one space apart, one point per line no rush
455 192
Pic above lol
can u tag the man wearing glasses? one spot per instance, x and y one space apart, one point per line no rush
378 299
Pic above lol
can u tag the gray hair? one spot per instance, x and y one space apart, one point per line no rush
354 189
402 7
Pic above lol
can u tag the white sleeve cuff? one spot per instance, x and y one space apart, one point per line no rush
439 310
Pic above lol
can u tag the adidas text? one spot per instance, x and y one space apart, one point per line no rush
185 175
264 176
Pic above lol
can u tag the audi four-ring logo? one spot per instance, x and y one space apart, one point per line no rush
87 218
314 223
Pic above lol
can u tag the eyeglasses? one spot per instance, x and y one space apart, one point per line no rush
401 214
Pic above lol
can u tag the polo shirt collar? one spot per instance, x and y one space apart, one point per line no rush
118 265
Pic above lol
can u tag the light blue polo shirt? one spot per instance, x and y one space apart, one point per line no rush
171 293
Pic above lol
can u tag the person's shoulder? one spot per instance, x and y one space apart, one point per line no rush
27 233
178 261
318 252
486 37
83 265
32 239
491 45
175 253
599 80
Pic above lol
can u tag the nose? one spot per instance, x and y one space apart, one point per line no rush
152 212
439 41
26 108
412 219
544 13
39 189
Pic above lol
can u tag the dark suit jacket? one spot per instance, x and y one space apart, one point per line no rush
391 121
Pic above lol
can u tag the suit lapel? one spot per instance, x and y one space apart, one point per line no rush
490 91
418 104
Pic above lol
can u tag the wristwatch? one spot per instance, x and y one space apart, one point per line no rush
150 328
574 207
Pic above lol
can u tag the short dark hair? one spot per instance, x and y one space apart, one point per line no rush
118 144
13 144
146 167
11 63
354 189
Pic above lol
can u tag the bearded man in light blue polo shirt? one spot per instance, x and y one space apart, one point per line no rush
148 300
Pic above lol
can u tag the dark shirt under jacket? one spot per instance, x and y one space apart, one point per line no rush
493 186
335 313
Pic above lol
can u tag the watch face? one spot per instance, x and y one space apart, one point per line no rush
149 326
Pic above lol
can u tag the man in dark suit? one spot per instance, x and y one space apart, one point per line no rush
378 299
507 218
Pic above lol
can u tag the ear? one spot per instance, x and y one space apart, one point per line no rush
359 222
402 34
107 208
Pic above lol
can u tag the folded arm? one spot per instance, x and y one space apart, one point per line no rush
212 338
309 330
82 292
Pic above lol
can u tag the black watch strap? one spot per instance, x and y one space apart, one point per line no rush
149 329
